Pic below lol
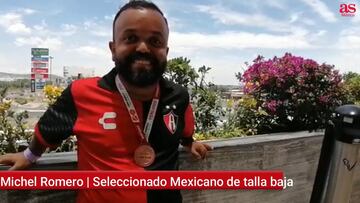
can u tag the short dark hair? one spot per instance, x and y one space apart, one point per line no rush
137 4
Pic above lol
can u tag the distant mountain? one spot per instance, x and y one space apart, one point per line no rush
14 76
229 87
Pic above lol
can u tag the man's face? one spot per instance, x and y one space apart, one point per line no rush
139 49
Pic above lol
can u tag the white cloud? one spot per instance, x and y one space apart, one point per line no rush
89 24
175 23
229 17
98 28
299 17
19 28
356 18
307 21
4 62
102 32
92 51
261 4
280 4
40 29
347 61
320 8
321 33
294 17
107 17
52 43
13 23
349 42
349 39
68 29
350 31
223 68
188 42
27 11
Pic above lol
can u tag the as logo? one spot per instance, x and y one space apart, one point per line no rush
347 9
170 121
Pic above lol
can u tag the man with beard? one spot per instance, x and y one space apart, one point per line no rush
130 119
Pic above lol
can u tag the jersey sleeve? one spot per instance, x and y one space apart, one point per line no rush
187 137
58 120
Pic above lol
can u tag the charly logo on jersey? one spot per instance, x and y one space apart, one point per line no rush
107 121
171 120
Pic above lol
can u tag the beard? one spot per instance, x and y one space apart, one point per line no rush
140 76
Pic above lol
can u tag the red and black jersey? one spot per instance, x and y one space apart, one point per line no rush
94 111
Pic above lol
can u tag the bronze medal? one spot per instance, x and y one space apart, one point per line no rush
144 155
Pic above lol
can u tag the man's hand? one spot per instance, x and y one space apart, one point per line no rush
16 160
199 150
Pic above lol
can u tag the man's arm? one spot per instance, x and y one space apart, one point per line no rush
55 125
198 150
36 147
18 161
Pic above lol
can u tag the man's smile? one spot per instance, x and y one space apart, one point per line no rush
142 63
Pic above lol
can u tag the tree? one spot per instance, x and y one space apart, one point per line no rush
180 71
352 86
349 75
19 83
205 100
12 126
298 93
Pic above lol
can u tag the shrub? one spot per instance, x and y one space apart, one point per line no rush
249 116
52 93
352 85
207 109
12 126
204 99
296 93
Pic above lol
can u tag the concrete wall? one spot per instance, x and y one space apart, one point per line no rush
294 153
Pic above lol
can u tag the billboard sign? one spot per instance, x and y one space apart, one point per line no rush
39 67
39 51
39 84
39 70
40 58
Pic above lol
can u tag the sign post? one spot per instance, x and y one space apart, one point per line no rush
39 68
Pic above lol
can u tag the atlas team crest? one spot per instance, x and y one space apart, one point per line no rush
170 120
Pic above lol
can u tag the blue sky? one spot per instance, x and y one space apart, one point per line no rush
215 33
